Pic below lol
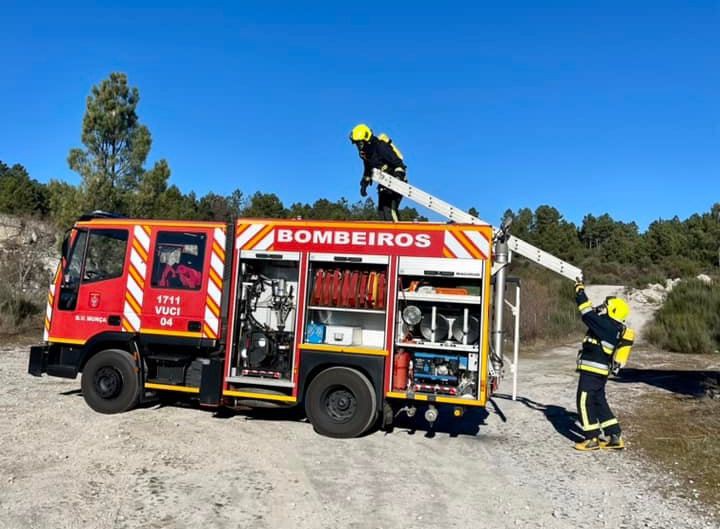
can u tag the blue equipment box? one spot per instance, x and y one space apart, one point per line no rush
436 367
315 333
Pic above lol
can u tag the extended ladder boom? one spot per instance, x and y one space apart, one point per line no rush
450 212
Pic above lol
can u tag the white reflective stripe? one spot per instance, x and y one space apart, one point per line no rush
134 289
478 240
607 347
132 318
609 422
455 247
248 234
142 237
217 265
48 311
220 237
211 320
214 293
46 336
590 363
138 263
266 241
585 311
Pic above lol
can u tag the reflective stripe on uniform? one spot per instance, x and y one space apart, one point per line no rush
609 422
586 426
586 307
608 348
595 370
590 363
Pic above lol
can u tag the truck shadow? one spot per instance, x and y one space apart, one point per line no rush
469 424
564 421
682 382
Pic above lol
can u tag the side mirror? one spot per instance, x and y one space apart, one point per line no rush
65 245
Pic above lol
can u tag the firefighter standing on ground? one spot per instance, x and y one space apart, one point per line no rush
606 332
378 152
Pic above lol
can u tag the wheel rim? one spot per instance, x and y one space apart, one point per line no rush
340 403
108 382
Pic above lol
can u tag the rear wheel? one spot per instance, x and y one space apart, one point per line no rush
341 403
110 383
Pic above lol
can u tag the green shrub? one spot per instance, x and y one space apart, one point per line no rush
547 310
689 320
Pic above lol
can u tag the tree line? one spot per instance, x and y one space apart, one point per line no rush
114 177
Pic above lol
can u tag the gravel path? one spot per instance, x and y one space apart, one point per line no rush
65 466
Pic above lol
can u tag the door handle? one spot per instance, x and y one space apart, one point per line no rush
114 320
194 326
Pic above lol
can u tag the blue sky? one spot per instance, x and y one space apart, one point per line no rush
612 107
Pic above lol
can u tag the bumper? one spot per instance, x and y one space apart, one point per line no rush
54 361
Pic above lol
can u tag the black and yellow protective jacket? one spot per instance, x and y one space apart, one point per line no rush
603 335
378 154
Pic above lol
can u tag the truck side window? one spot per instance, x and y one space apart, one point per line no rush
178 261
105 256
74 266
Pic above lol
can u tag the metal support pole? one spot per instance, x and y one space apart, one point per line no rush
501 259
516 340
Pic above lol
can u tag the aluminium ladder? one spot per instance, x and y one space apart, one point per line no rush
514 245
505 245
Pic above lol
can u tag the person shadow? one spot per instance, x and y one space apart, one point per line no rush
563 420
689 383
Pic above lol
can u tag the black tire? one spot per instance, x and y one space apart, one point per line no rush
341 403
110 383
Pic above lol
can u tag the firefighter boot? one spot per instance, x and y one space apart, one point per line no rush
588 444
614 443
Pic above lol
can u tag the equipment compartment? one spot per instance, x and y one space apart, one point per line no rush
347 301
266 315
439 324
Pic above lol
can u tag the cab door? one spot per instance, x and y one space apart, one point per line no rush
90 299
175 295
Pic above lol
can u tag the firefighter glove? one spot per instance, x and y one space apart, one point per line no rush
579 285
363 188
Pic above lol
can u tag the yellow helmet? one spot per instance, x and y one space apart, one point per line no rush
360 132
617 309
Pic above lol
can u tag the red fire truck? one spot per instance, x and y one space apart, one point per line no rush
352 320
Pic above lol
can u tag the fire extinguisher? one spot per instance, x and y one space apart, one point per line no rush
400 373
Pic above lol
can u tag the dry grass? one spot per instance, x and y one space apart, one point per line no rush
681 435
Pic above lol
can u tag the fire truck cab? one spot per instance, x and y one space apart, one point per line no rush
352 320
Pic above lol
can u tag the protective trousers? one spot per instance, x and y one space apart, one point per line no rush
593 409
388 203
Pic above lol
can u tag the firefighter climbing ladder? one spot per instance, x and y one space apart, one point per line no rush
505 246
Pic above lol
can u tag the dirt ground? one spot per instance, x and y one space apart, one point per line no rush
63 466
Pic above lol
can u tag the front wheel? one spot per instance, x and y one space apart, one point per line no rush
341 403
110 383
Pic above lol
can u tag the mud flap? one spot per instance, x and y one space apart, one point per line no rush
38 360
211 381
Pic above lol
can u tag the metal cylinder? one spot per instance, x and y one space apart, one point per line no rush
501 259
